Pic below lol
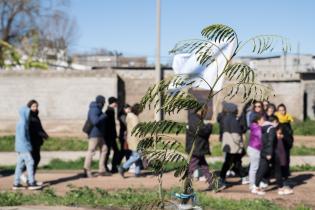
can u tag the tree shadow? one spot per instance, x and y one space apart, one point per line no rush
65 179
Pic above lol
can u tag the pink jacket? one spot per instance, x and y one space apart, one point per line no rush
255 140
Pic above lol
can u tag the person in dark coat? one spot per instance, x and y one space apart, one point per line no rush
124 152
110 135
269 144
37 135
285 120
232 144
201 148
96 136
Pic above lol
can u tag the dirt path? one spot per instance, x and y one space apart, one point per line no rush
304 189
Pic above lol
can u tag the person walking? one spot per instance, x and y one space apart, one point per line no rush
201 148
132 120
124 151
110 135
232 144
37 137
23 147
96 120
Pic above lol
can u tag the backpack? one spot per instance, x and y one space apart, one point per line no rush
87 127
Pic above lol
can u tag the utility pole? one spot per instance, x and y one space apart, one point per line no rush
158 72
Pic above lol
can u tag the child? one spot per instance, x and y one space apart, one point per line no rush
267 152
23 147
254 147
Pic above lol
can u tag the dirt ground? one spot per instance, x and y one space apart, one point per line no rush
304 185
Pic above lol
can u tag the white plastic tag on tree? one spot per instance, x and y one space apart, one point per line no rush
202 76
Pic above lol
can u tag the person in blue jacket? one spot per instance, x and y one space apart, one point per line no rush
23 147
96 136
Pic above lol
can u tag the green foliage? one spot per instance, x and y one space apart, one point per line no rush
129 198
306 128
153 128
219 33
10 57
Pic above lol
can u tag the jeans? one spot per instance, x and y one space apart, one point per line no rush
134 158
254 157
36 157
24 159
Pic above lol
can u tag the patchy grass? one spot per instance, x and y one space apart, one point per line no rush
99 198
300 168
305 128
52 144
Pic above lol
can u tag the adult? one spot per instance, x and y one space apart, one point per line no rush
232 144
258 108
37 136
285 121
23 148
124 152
110 135
96 136
201 148
132 120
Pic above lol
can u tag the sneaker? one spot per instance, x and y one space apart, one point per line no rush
263 185
23 178
34 186
285 191
251 187
105 173
39 183
121 171
221 186
132 169
245 180
230 173
258 191
18 187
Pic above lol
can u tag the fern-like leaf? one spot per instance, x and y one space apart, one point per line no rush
152 128
266 43
219 33
240 73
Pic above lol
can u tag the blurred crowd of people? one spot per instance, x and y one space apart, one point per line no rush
262 131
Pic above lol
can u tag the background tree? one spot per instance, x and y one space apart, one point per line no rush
41 23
